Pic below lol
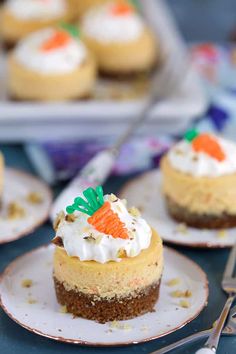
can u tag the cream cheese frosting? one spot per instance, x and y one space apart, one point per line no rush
36 9
80 239
199 164
99 23
60 60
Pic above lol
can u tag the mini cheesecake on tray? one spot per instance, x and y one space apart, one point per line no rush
108 262
80 7
199 181
18 18
120 39
52 64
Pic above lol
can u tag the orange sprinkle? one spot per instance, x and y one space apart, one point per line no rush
58 39
206 143
106 221
121 9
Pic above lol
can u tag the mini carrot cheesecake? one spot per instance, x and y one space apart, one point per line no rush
51 65
21 17
119 38
199 181
108 262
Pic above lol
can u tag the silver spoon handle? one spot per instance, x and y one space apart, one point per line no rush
189 339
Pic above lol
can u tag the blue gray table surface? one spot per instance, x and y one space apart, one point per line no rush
14 339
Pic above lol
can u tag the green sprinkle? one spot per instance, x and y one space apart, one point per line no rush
135 4
93 201
72 30
70 209
191 135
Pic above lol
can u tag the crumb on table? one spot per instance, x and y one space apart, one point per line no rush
180 293
184 303
182 229
222 234
34 198
173 282
26 283
31 301
15 211
63 309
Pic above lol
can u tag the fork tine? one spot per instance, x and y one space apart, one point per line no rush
229 268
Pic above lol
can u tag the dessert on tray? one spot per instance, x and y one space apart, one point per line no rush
21 17
199 181
119 38
80 7
51 65
108 262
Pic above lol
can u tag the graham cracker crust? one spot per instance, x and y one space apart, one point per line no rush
105 310
199 221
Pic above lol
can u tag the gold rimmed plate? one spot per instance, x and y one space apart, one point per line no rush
145 192
25 204
27 296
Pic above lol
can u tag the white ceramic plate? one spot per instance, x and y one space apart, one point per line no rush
18 186
145 193
37 310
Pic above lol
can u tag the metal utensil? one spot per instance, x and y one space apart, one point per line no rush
229 286
229 329
164 82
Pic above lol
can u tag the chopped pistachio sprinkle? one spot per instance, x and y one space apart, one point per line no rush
134 212
180 293
184 303
222 234
63 309
31 301
26 283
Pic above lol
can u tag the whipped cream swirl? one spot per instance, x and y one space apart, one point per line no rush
100 24
80 239
199 164
60 60
36 9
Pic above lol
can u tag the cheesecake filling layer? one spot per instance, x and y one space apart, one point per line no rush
112 279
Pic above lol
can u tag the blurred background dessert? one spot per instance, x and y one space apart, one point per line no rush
199 175
51 64
18 18
80 7
121 41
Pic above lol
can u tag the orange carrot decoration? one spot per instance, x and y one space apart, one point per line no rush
102 217
59 39
206 143
122 8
